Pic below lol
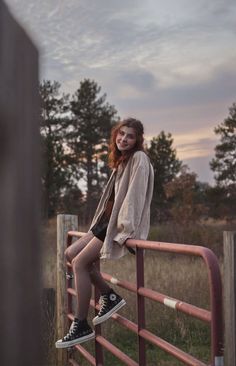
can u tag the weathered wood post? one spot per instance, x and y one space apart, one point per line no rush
20 286
230 297
65 223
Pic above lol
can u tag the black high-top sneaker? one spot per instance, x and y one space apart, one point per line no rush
79 332
110 304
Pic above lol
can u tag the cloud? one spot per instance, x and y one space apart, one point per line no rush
175 41
200 165
170 63
196 148
182 106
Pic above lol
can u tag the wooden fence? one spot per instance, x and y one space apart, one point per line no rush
19 196
229 291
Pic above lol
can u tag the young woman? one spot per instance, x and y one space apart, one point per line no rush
123 212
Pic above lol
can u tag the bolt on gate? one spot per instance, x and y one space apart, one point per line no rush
214 317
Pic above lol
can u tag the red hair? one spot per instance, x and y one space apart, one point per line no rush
115 156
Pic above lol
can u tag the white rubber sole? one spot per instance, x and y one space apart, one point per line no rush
60 344
100 319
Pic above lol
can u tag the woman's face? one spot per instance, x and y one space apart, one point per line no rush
126 138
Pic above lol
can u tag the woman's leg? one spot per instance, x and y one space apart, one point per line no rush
81 266
96 278
75 248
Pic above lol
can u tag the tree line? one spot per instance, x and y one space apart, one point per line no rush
75 132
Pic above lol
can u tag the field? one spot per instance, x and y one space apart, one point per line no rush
178 276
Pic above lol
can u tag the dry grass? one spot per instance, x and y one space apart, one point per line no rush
178 276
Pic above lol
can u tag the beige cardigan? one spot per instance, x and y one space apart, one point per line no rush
130 217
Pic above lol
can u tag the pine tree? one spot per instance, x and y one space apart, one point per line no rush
56 171
224 163
166 165
92 122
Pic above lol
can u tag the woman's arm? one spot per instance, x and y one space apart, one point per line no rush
131 211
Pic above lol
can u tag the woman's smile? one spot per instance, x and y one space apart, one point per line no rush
126 138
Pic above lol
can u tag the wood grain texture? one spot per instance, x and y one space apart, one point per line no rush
65 223
19 195
229 297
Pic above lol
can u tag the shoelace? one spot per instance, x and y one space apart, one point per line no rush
72 331
103 302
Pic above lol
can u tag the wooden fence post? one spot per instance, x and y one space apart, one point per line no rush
65 223
230 297
20 285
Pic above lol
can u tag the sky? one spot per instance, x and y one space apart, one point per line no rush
169 63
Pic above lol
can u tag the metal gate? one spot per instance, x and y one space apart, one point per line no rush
212 317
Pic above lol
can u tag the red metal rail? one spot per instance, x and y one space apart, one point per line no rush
213 317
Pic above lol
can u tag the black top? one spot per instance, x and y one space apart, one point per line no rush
103 222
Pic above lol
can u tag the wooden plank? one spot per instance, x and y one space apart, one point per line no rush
19 195
229 297
65 223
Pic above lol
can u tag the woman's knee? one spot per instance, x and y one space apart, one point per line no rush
74 249
68 255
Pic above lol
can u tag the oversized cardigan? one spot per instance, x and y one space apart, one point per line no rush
130 216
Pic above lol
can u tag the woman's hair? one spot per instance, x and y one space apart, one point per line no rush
115 156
